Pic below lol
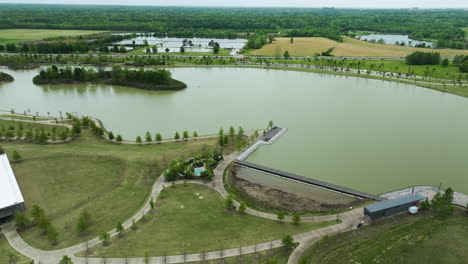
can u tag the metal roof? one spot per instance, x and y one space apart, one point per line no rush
10 193
394 203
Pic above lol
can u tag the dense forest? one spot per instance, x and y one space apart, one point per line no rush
444 26
143 79
423 58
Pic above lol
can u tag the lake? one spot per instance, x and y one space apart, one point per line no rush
176 43
392 39
370 135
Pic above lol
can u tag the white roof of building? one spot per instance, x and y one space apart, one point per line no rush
10 193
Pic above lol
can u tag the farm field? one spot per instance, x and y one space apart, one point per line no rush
410 240
300 47
14 36
211 227
348 48
76 173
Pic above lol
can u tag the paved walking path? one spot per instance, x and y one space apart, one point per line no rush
46 257
349 220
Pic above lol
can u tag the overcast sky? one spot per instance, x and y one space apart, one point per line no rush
269 3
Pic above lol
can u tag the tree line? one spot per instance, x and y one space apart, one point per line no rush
423 58
444 26
70 75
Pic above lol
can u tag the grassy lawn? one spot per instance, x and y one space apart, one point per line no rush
6 251
273 256
184 222
9 36
14 126
406 239
350 47
73 181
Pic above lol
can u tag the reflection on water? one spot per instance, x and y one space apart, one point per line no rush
368 135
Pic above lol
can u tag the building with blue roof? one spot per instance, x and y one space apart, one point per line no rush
391 207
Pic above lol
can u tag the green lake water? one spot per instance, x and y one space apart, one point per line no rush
370 135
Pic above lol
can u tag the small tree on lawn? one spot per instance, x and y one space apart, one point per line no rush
242 208
36 213
185 135
229 203
442 203
120 229
280 216
158 137
119 138
177 136
147 258
104 237
148 137
288 242
232 131
83 223
138 140
16 155
221 137
270 123
151 203
296 217
52 234
111 135
195 134
21 220
66 260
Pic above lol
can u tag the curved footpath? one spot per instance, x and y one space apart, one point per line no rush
349 220
96 121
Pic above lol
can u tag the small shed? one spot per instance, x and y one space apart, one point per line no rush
391 207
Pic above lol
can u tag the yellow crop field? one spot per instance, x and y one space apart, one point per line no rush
358 48
11 36
299 47
348 48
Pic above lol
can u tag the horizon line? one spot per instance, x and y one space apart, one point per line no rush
233 6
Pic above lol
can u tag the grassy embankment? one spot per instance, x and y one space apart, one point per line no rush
109 180
348 48
411 239
14 36
21 117
273 256
457 90
9 254
192 218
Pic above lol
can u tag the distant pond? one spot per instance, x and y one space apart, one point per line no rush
174 44
395 40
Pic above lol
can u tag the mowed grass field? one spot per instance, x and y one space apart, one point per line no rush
191 219
14 36
409 240
6 251
60 176
350 47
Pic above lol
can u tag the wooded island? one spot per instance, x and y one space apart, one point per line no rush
142 79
